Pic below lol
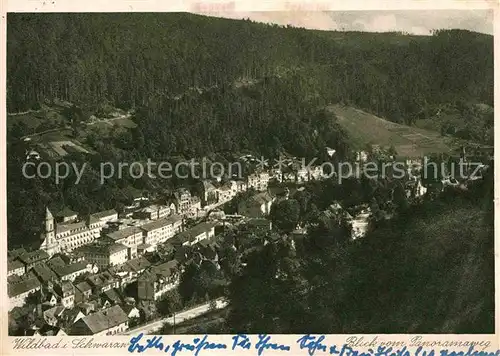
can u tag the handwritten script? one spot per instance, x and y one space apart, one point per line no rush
309 344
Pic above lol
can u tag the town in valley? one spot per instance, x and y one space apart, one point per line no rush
281 246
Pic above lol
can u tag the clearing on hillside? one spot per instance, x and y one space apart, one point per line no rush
412 142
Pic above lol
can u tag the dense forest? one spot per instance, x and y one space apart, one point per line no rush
134 59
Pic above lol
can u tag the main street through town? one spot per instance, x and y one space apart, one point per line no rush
154 326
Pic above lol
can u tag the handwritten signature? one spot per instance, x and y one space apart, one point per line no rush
264 343
310 343
156 342
140 344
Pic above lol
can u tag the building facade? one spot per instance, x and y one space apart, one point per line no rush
256 206
105 254
68 236
110 321
159 231
18 292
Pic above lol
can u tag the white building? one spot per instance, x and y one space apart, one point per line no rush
152 212
131 237
67 236
19 291
105 254
360 224
110 321
159 231
256 206
258 181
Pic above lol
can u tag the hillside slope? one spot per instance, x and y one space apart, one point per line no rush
433 275
131 59
431 270
364 128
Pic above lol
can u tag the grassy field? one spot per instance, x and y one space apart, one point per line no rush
47 126
364 128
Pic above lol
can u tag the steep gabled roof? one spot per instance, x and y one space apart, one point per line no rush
44 273
33 256
13 265
22 287
192 233
104 319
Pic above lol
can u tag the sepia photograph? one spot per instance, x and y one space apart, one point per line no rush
231 172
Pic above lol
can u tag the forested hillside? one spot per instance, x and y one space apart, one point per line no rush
133 59
428 271
202 85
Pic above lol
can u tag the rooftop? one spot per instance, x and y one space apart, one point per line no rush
143 246
138 264
127 308
54 312
105 319
124 233
102 248
161 223
62 271
100 279
113 295
83 286
165 269
16 253
13 265
60 228
192 233
67 286
101 215
34 256
115 248
23 287
44 273
56 262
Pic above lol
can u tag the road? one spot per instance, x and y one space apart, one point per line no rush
126 116
23 112
179 318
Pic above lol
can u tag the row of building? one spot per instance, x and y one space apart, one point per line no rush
106 233
70 233
78 298
112 249
82 263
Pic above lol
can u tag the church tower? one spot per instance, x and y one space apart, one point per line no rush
49 243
